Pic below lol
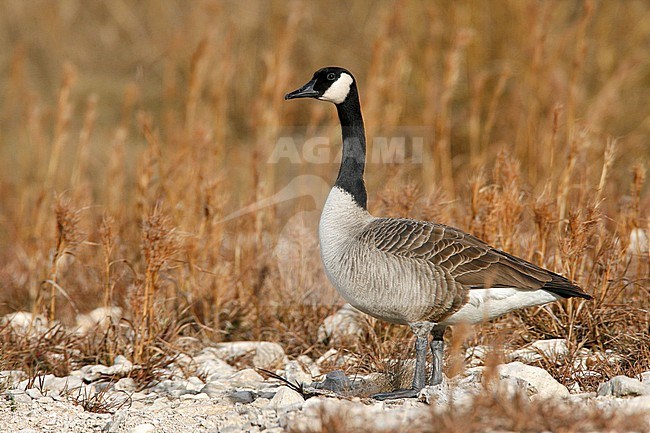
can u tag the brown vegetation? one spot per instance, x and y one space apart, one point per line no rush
130 131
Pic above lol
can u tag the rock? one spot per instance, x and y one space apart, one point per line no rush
295 374
245 396
639 243
143 428
177 388
232 350
91 373
34 393
46 401
472 376
18 396
83 392
637 405
329 356
125 384
347 323
335 381
439 394
60 385
245 378
586 359
275 430
210 365
121 365
215 369
310 364
160 403
266 354
512 387
25 323
554 350
215 389
623 386
99 319
334 357
116 422
269 355
49 383
235 428
475 356
199 396
585 374
286 399
10 377
543 383
460 391
355 416
645 377
194 384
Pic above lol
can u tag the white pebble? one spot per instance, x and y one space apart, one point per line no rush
143 428
286 399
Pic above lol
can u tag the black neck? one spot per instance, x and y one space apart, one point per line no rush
353 162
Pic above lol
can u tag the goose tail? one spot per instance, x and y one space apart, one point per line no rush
562 287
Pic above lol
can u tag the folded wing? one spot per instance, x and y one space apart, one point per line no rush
463 257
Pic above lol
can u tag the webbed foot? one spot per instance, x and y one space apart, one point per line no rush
400 393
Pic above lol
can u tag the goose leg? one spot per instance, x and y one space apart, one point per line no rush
421 331
437 350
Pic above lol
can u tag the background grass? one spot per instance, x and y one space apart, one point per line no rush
130 130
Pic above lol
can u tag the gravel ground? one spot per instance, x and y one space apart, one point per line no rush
221 398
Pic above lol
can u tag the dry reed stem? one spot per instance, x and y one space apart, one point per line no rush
64 112
443 122
108 239
493 107
160 243
79 177
578 65
68 238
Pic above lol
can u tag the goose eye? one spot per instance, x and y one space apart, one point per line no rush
331 76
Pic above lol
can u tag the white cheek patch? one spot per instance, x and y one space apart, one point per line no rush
339 90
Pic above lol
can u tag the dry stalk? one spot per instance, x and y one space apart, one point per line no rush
116 202
79 181
107 239
608 160
492 112
68 239
474 122
160 242
578 65
63 115
198 68
450 79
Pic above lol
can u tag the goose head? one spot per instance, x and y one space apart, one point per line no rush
332 84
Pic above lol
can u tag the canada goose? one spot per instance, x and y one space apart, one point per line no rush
417 273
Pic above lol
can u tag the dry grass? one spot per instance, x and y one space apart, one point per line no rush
130 131
499 414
